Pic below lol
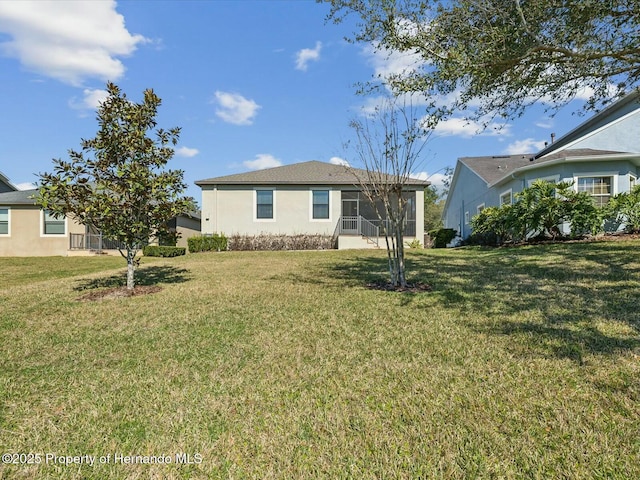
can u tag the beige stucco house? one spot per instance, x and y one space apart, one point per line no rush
28 231
303 198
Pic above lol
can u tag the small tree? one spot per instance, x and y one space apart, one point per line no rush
388 146
433 208
117 182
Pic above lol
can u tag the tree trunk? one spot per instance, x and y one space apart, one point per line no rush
131 254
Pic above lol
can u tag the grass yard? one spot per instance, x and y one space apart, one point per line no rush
520 363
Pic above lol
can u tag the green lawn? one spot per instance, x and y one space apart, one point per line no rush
521 363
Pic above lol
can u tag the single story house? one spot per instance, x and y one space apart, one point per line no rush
28 231
600 156
312 197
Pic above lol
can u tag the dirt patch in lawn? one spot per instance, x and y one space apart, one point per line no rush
118 292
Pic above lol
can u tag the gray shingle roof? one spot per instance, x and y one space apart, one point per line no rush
493 169
305 173
19 197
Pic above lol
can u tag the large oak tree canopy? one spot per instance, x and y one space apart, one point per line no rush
501 56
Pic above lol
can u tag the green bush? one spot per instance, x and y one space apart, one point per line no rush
163 251
415 243
207 243
539 212
442 236
624 208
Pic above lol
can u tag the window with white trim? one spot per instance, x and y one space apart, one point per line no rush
633 181
506 198
466 218
320 204
264 204
4 221
52 225
480 208
600 188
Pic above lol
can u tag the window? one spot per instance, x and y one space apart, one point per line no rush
320 207
480 207
633 181
52 225
466 218
4 221
506 198
264 204
598 187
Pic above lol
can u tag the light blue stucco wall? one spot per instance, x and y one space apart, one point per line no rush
620 136
465 195
471 191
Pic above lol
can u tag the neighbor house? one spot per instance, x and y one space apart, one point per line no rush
601 156
28 231
313 197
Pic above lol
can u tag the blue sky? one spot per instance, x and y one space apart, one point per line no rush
252 83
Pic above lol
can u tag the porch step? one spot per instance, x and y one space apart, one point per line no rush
357 242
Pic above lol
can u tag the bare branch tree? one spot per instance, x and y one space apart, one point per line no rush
388 147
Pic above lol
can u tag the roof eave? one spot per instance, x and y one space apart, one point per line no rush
577 158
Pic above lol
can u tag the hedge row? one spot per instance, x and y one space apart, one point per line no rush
280 242
201 243
162 251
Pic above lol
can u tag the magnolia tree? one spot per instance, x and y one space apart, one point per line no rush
388 147
117 183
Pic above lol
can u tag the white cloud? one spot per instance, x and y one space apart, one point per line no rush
306 55
187 152
26 186
235 109
91 100
419 175
460 127
262 161
67 40
338 161
386 62
436 179
528 145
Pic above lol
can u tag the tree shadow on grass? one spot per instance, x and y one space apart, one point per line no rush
561 301
144 276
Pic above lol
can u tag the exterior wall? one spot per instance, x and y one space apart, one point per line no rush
26 239
568 171
465 195
231 210
468 194
5 187
187 227
611 132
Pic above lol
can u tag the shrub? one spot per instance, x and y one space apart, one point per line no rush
163 251
583 216
539 212
415 243
281 242
493 226
625 208
442 236
207 243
